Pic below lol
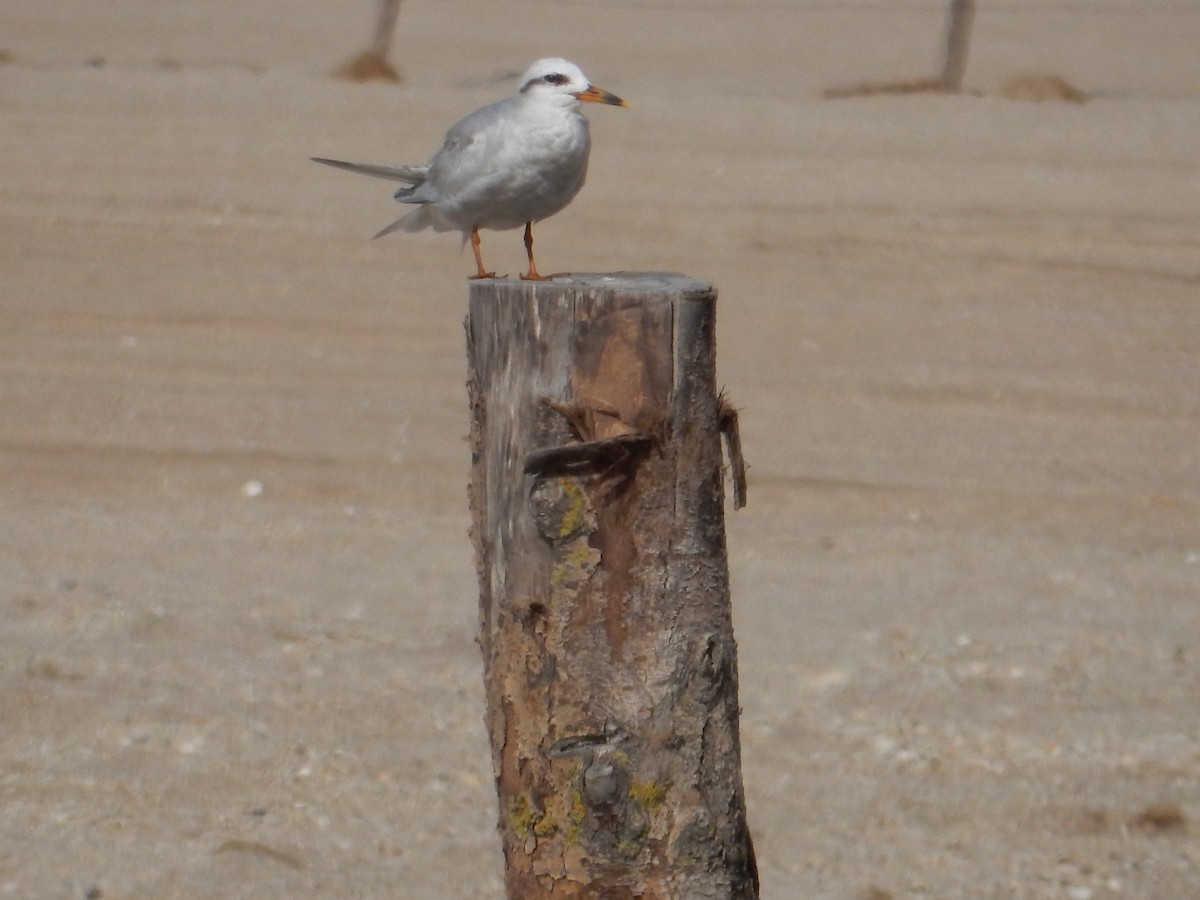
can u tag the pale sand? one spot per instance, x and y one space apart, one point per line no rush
964 333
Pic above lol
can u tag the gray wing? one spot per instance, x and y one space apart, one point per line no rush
469 157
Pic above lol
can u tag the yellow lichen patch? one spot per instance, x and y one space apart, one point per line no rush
576 564
576 812
649 794
559 575
523 818
574 518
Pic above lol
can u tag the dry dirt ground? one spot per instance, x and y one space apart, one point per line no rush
237 600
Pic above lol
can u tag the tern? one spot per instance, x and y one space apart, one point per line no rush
511 163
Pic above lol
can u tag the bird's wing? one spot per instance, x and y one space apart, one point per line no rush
473 151
406 174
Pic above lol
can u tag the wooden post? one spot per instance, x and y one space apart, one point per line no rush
372 64
609 658
958 39
385 28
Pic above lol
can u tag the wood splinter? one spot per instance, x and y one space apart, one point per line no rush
728 423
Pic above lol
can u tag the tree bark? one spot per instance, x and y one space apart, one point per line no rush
598 523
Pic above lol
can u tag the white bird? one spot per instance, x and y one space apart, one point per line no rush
511 163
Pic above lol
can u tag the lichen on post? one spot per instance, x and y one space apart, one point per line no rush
598 521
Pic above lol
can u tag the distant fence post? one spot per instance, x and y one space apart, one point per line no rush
958 39
598 522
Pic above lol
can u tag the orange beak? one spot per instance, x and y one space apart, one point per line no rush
599 95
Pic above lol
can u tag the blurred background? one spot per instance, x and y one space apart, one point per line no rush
237 599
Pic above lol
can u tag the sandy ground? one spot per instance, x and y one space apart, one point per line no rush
237 605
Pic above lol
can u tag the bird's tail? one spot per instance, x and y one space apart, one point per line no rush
416 220
405 174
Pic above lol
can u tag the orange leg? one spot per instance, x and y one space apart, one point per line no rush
532 275
479 256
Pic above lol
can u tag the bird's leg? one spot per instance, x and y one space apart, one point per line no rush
479 256
532 275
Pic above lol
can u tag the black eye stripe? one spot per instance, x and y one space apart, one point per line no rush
556 78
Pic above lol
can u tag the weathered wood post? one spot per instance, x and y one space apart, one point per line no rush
609 658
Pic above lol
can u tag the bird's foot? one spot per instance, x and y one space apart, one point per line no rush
482 275
534 276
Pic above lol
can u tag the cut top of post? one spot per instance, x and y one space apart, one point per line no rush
666 283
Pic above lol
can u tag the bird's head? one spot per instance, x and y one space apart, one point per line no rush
556 77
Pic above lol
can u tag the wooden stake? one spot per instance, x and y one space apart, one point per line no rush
598 523
958 39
